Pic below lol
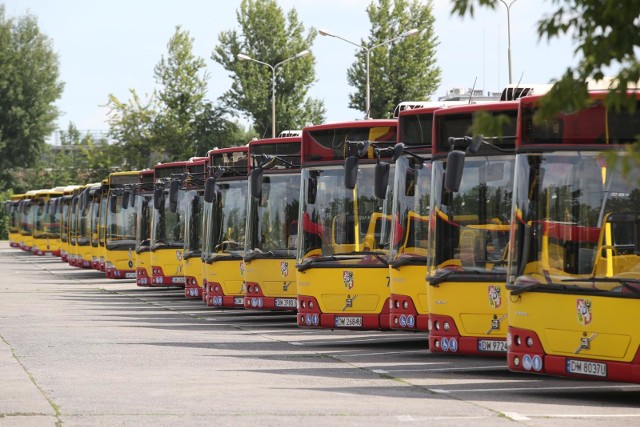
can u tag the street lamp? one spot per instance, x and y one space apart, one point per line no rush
508 6
411 32
244 57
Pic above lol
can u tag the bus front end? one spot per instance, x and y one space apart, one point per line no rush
343 230
574 272
469 231
120 242
193 183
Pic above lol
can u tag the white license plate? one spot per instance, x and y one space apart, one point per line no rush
286 302
238 301
130 275
347 322
586 368
179 279
493 346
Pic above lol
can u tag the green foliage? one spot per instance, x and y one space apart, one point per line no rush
29 87
265 35
606 36
401 70
176 122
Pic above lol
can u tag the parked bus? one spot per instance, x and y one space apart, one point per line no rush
85 251
120 240
14 219
225 220
167 231
272 224
469 230
142 199
64 207
411 186
574 273
27 218
95 197
192 184
343 273
46 230
74 216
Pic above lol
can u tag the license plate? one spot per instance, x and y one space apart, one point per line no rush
130 275
286 302
347 322
586 368
238 301
493 346
179 279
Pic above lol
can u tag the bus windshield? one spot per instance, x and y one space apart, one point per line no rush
39 229
143 217
168 227
412 187
226 225
580 220
339 221
121 225
193 232
274 216
472 224
26 218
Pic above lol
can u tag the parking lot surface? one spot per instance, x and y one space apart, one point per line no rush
79 349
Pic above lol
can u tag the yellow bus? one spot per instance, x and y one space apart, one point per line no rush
84 250
574 272
193 186
343 273
27 219
46 229
120 234
225 199
469 230
74 216
272 224
64 207
95 197
167 231
14 219
142 200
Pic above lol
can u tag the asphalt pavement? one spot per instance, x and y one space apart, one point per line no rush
79 349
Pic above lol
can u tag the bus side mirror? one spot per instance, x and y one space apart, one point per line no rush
350 172
173 196
209 189
381 180
125 199
133 199
112 203
255 180
453 174
158 198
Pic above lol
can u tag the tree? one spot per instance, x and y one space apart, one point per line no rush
29 87
267 36
401 70
606 36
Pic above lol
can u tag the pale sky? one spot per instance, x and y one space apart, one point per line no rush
111 46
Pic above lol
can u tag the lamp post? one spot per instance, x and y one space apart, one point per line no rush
368 50
244 57
508 6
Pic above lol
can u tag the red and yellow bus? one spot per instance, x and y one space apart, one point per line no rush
167 230
27 218
14 219
193 186
64 207
574 273
120 232
46 229
224 232
343 273
272 224
142 200
469 230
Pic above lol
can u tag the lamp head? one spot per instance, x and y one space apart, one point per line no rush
243 57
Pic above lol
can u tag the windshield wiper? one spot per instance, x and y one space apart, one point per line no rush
412 260
129 244
380 256
257 253
222 257
625 283
159 245
438 278
305 265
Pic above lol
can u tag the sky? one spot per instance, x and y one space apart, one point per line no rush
111 46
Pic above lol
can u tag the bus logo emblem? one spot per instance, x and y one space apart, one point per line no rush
284 268
179 255
347 279
242 268
495 300
583 310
